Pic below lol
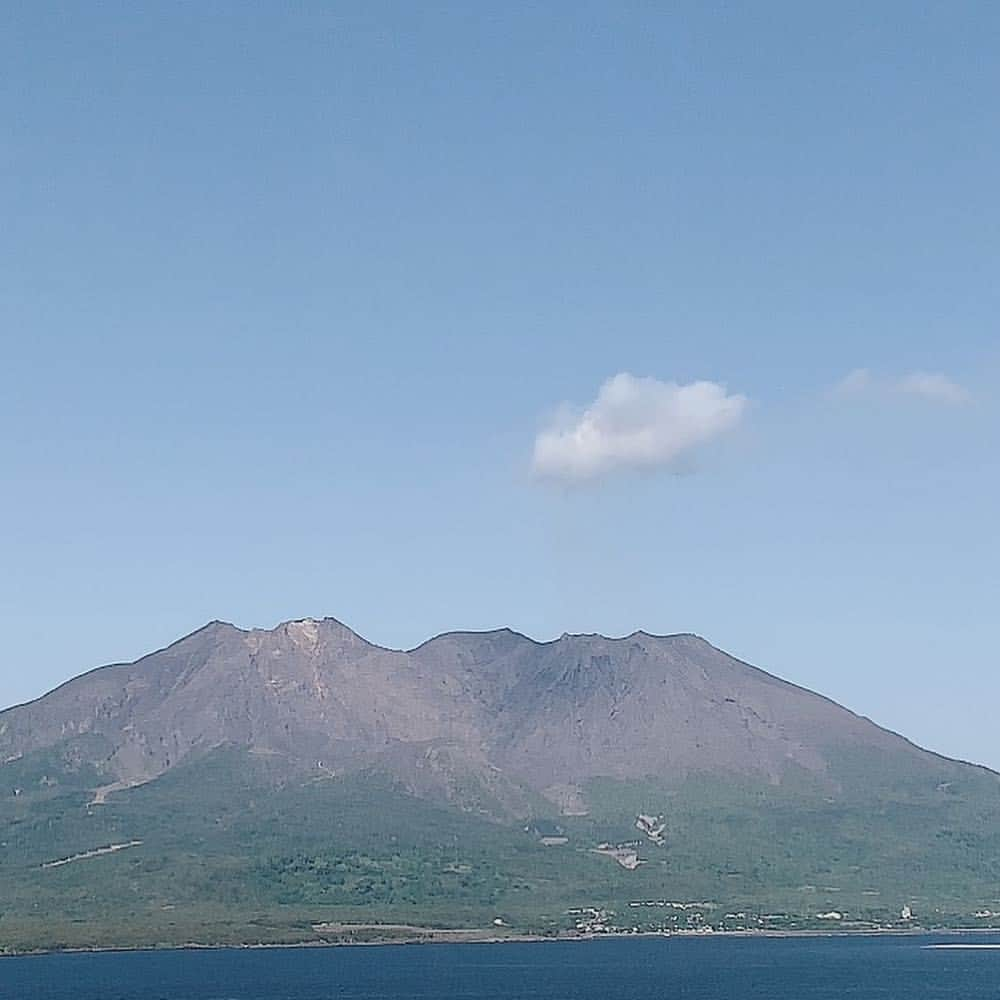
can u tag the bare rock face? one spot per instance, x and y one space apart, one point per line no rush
491 720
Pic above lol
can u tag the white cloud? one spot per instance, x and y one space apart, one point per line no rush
934 387
634 423
937 387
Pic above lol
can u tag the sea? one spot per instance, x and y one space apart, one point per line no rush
719 968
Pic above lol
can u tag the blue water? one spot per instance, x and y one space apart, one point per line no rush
630 969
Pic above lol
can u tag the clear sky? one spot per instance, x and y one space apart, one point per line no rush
396 313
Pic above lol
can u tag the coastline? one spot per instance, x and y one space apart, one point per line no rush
473 936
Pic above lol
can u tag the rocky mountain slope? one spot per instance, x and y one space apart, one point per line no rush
492 712
245 785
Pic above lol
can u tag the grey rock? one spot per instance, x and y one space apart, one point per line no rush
490 720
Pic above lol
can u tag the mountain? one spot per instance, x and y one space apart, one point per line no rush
544 717
306 775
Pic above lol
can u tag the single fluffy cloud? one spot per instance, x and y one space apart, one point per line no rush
935 387
634 423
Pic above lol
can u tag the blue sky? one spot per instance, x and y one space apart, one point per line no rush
288 293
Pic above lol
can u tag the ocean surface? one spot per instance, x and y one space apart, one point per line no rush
620 969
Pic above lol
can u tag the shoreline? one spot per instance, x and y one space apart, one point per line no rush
439 935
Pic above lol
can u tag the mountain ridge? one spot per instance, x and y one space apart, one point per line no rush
258 782
584 680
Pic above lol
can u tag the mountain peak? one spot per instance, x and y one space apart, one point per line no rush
312 633
545 714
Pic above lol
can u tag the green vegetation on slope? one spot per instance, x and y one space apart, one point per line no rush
228 853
